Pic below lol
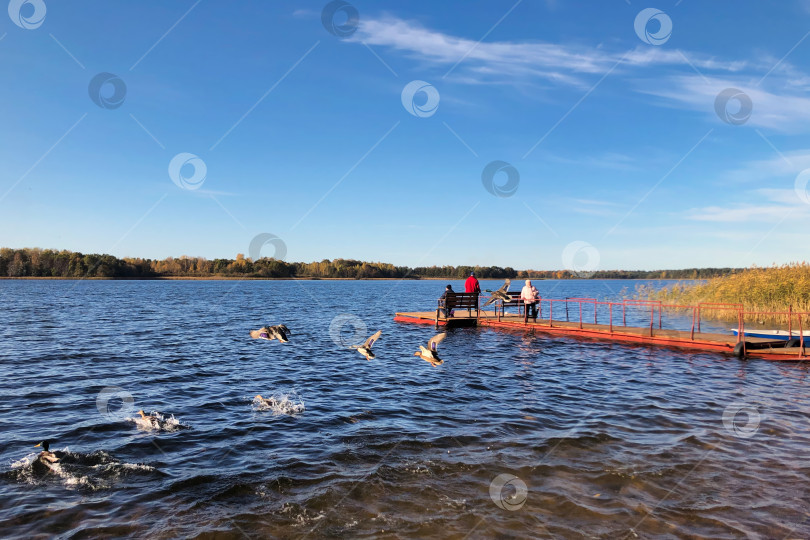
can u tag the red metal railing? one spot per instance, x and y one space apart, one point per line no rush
800 315
717 306
656 307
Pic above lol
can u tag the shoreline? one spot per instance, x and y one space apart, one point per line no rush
51 264
247 278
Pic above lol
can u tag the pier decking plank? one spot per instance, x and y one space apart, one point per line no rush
703 341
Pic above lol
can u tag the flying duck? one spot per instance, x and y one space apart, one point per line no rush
365 348
269 333
500 294
429 353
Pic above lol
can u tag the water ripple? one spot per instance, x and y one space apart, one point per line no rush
611 441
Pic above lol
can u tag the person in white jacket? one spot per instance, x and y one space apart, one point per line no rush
529 296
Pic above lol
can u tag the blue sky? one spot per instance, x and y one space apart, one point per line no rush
613 137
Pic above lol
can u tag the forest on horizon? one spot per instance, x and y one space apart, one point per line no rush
35 262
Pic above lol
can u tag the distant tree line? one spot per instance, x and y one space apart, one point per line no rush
461 272
686 273
68 264
34 262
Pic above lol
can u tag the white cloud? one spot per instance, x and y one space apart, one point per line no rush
306 13
771 206
780 169
594 202
595 208
648 56
604 160
743 214
553 61
544 60
507 62
779 112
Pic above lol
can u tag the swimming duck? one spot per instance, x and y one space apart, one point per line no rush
46 455
500 294
269 333
270 402
46 460
152 419
365 348
429 353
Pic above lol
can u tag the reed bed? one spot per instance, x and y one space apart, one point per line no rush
772 289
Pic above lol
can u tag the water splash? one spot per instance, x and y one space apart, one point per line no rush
280 403
94 471
155 421
30 470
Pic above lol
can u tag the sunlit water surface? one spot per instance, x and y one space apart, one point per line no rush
609 440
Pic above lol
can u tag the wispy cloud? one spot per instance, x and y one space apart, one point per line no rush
776 111
202 192
692 80
595 202
594 207
604 160
306 13
649 56
544 60
770 207
739 214
490 61
767 172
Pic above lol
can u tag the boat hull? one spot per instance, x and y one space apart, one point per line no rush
782 335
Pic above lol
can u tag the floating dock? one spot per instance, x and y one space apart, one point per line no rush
653 334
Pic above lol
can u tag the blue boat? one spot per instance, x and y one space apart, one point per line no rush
774 334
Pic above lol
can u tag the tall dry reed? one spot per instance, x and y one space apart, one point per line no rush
763 291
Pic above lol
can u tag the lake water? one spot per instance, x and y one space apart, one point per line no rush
513 436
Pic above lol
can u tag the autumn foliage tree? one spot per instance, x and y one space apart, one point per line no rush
35 262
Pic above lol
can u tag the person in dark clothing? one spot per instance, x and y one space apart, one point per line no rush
449 301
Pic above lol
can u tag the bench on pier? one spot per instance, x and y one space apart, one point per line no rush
514 301
459 300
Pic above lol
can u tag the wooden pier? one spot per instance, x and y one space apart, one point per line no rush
653 334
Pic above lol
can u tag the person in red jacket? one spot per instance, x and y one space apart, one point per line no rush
471 285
